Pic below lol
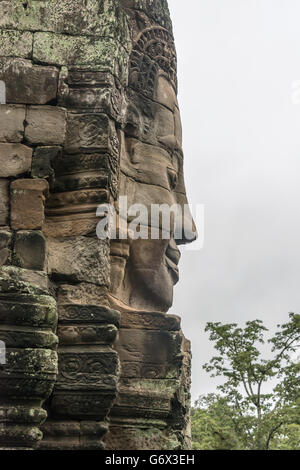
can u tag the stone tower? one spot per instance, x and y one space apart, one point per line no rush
92 359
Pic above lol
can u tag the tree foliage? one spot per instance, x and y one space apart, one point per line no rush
243 415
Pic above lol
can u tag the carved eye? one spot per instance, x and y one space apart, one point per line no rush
173 178
134 155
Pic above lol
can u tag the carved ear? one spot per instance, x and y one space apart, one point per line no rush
133 122
134 153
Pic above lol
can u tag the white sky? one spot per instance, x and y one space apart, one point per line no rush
237 61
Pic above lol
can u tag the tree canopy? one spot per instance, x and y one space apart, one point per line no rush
243 415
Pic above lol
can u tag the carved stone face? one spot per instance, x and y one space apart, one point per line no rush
145 271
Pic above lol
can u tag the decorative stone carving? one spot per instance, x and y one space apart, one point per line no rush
28 318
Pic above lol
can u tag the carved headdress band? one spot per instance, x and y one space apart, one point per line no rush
153 53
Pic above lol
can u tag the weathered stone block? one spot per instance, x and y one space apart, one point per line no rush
37 367
5 254
70 202
45 125
11 123
5 238
76 182
82 405
4 201
83 294
70 225
27 83
103 54
91 90
43 160
77 435
87 334
76 163
15 159
144 436
89 17
27 203
149 321
25 338
30 250
79 259
28 283
16 43
152 347
28 318
27 313
5 242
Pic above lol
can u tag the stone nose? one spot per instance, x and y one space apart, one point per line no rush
185 228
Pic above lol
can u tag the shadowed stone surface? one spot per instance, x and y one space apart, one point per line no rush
93 358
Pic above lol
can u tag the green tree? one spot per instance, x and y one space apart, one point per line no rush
212 424
254 419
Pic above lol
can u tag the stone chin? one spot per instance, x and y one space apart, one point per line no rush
145 280
154 286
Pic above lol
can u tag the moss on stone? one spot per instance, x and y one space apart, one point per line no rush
85 17
105 53
16 44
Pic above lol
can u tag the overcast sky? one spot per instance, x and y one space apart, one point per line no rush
238 61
